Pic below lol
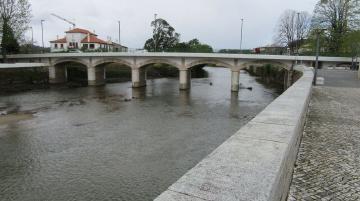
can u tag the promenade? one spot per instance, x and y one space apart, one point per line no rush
328 163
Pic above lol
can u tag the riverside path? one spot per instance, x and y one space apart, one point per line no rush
328 163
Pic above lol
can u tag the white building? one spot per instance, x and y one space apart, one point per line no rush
82 39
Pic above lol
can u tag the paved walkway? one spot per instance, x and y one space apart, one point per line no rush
340 78
328 163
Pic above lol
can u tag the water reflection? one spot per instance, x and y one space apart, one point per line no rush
139 93
234 105
184 97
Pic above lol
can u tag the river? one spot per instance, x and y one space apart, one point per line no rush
115 142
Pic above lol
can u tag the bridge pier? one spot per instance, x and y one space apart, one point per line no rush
96 75
57 74
138 77
235 80
185 79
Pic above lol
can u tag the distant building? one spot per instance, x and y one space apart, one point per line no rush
115 47
82 39
271 50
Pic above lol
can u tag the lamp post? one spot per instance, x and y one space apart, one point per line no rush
298 34
318 32
155 24
42 35
32 38
241 36
119 32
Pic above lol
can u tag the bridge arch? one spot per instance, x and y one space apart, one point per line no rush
70 60
109 61
209 61
159 61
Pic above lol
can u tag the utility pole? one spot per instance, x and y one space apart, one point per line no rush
42 35
32 35
317 55
32 39
298 34
241 37
155 24
119 32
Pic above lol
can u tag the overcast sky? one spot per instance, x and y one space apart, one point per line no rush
215 22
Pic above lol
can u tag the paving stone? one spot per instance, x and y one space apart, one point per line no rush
328 162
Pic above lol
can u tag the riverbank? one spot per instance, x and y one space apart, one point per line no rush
271 74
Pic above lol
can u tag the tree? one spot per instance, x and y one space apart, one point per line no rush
196 46
338 17
164 37
193 45
9 44
14 19
292 29
352 45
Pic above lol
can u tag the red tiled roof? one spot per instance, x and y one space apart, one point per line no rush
78 30
61 40
92 39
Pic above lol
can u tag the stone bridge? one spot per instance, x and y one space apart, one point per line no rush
95 64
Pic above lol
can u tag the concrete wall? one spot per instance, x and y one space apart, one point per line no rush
256 163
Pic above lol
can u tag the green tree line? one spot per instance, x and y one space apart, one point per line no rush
166 39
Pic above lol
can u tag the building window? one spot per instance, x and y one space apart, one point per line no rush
56 45
86 46
62 46
92 46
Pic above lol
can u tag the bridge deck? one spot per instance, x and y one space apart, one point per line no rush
22 65
184 55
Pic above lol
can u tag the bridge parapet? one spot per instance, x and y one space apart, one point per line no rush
256 163
182 61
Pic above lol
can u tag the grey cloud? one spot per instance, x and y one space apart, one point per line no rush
216 22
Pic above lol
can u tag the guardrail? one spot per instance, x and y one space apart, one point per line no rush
257 162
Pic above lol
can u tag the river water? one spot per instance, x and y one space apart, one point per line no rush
94 144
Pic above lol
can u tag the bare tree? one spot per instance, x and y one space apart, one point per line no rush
292 29
17 13
338 17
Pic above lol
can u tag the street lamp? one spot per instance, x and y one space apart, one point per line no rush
119 32
241 37
298 34
42 34
318 32
155 24
32 38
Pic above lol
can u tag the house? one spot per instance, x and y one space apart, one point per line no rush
82 39
115 47
271 50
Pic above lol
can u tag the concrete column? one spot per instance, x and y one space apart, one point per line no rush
185 79
57 74
138 77
289 78
235 78
96 75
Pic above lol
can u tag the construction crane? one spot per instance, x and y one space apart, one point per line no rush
61 18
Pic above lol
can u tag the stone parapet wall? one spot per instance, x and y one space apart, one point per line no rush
257 162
